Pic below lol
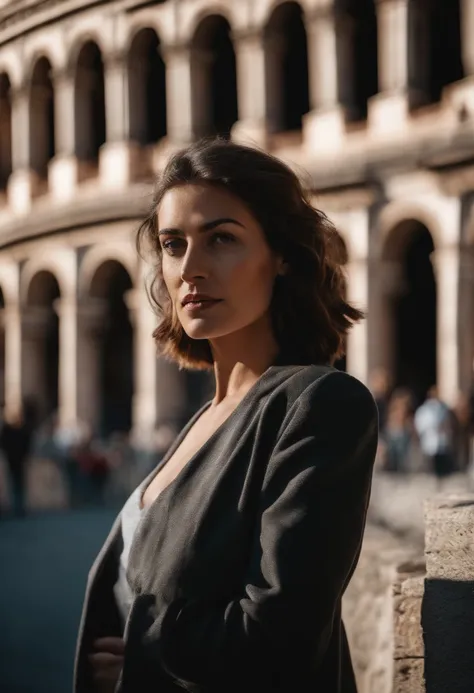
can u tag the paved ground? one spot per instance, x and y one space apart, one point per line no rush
44 561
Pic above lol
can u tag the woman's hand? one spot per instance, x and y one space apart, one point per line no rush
107 663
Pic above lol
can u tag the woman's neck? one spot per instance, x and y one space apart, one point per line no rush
239 361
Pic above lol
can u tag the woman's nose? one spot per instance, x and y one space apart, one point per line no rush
194 265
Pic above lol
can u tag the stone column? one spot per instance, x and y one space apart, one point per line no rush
68 374
447 264
180 104
119 157
23 183
357 342
389 109
385 285
64 169
324 125
91 316
467 32
11 318
251 88
144 356
357 222
274 51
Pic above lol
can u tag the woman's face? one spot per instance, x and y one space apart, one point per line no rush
217 265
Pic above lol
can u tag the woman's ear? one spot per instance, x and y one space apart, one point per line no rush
282 268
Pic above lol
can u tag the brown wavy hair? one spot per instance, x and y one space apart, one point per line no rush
309 311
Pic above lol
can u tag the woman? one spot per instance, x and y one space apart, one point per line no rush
226 568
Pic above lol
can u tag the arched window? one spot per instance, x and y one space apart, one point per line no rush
214 78
40 346
412 307
5 131
89 103
147 84
111 284
358 53
42 142
286 52
445 59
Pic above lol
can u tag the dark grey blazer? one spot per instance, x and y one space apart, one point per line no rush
240 565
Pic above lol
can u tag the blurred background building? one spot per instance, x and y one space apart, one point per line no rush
373 99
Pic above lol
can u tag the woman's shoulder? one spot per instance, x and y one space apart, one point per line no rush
316 381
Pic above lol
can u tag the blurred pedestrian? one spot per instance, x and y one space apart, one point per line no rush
434 427
15 441
398 432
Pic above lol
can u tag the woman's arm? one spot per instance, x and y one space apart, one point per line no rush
312 516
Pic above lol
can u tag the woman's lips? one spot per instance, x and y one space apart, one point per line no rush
197 306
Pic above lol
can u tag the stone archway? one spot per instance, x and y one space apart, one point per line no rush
5 131
445 53
357 42
42 137
113 347
214 78
89 103
411 306
436 48
147 85
286 57
40 343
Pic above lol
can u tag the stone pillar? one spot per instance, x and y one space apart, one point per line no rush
251 88
23 183
386 282
324 125
201 62
68 374
91 317
64 169
467 31
11 318
448 606
466 319
181 94
389 109
447 263
119 157
357 342
144 356
274 48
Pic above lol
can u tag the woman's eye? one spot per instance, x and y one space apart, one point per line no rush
222 238
172 245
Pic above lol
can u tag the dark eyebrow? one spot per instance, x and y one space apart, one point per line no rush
207 226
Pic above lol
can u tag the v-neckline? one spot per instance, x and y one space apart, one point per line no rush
151 477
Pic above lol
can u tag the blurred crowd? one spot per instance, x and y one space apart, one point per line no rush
427 436
422 437
93 471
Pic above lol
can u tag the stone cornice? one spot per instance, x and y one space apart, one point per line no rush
447 158
132 204
22 16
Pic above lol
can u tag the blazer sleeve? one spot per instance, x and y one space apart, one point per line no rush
311 520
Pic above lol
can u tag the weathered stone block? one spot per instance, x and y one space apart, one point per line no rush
408 634
409 676
449 537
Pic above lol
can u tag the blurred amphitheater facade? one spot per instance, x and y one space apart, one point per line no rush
373 98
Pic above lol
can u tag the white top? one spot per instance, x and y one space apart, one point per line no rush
131 515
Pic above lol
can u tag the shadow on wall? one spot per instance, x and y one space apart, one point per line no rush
448 625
